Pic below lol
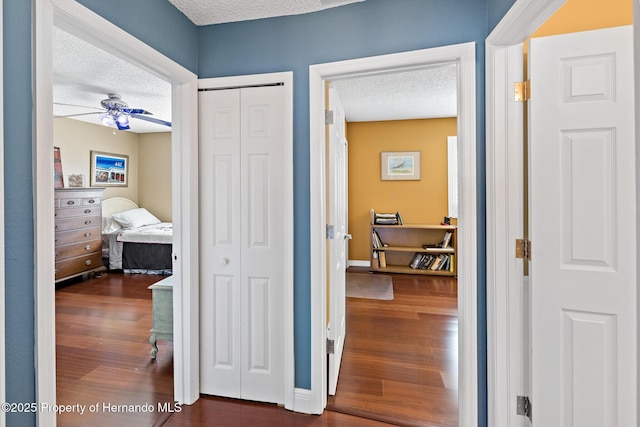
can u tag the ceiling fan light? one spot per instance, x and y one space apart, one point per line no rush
123 120
107 120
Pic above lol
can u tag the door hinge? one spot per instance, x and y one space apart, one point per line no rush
328 117
523 406
330 231
331 346
522 91
523 249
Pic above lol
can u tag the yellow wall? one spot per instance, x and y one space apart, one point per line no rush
423 201
584 15
154 173
149 160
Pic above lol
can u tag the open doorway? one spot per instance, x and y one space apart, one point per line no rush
463 55
402 341
76 20
103 323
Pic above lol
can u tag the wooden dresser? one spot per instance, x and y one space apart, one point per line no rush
78 225
162 300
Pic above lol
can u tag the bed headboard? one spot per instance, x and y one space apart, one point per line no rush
115 205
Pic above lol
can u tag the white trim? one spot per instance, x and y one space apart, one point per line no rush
505 211
464 56
291 395
3 396
303 401
358 263
80 21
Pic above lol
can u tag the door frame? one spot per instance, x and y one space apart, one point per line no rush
82 22
505 209
286 78
464 56
3 397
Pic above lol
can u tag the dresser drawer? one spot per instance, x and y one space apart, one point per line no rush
79 235
68 198
78 249
78 222
79 211
72 266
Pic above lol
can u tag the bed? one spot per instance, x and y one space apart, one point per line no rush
134 240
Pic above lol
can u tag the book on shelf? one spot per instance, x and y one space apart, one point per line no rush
375 239
382 259
446 241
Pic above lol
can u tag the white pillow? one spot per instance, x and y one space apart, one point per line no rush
109 225
135 218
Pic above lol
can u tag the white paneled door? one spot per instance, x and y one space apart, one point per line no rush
337 203
242 245
582 229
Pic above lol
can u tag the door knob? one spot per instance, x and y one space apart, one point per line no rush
225 261
348 237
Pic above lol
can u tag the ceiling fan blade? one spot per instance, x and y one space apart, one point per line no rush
76 115
152 120
122 126
75 105
135 111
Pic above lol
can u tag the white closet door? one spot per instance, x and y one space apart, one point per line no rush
220 343
242 264
262 239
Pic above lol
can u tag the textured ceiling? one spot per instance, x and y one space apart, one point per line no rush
421 94
84 75
207 12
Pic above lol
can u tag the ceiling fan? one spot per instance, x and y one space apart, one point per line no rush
116 112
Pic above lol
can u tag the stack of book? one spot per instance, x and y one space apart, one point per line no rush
433 262
386 218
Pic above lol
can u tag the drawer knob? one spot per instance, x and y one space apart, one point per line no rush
87 211
87 248
88 262
87 222
87 234
71 202
92 201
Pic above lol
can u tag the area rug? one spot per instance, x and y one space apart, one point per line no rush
372 286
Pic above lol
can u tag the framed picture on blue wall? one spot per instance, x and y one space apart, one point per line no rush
109 170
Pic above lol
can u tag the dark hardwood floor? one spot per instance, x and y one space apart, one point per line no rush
400 360
399 364
102 342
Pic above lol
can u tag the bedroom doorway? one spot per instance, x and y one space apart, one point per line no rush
463 55
79 21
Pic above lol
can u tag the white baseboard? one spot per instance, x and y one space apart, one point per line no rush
358 263
303 402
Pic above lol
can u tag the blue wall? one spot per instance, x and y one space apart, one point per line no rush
369 28
292 43
497 9
149 21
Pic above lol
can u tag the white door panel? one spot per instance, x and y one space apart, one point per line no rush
262 234
337 202
242 206
220 242
583 209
